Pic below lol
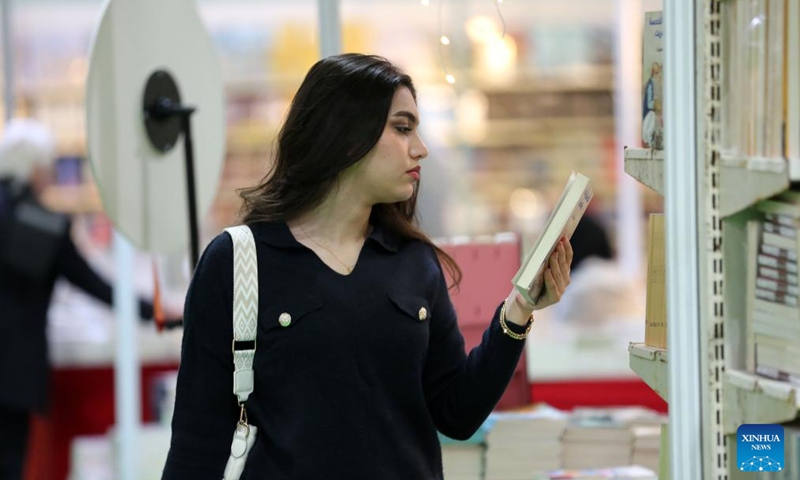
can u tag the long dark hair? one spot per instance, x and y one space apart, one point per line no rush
337 116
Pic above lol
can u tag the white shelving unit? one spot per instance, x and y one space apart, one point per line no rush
746 181
708 195
651 365
647 166
753 399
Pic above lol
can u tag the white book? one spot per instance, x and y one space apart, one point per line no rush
792 100
569 209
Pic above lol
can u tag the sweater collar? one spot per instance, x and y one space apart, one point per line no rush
277 234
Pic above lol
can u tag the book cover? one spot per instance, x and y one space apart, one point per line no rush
652 80
566 214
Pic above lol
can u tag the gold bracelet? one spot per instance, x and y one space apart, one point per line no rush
507 331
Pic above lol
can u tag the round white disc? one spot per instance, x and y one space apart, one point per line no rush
142 189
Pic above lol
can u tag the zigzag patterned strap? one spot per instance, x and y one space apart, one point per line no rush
245 308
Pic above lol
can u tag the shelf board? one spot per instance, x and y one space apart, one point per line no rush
647 166
745 181
650 364
749 398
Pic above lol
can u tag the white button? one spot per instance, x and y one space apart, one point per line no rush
423 314
285 319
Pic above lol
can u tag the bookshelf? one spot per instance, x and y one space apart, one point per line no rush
753 399
647 166
746 180
651 365
710 384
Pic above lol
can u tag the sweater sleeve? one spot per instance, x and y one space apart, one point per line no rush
206 410
461 390
77 271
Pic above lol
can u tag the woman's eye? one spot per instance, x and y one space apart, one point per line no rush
403 128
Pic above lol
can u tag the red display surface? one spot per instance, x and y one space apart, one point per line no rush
569 394
82 403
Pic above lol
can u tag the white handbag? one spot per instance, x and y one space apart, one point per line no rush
245 320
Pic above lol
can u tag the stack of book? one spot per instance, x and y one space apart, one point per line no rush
774 331
598 438
646 442
464 460
520 443
595 443
616 473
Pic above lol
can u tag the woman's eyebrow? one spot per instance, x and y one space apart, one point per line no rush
408 115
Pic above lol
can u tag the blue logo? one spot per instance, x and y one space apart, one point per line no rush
759 448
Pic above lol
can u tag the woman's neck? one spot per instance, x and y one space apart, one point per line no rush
339 220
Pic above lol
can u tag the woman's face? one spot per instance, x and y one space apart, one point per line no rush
389 172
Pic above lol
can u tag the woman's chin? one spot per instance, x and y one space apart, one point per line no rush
399 196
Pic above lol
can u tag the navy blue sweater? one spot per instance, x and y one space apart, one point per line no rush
356 387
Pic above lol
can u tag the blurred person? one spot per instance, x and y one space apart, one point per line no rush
600 293
590 240
36 249
360 360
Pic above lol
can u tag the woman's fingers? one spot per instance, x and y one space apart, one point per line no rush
556 258
566 263
552 286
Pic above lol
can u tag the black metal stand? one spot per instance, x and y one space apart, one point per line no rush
165 118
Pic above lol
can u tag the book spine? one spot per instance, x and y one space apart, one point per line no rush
777 297
777 286
782 219
777 252
777 374
774 262
785 243
779 275
778 229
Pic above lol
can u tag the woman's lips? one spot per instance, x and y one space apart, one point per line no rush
414 172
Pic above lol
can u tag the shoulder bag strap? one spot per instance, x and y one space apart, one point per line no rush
245 309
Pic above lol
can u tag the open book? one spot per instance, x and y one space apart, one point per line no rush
529 280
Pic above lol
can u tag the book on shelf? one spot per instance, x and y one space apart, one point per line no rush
776 297
777 252
566 214
772 292
777 373
652 80
782 219
777 286
755 87
778 351
778 275
779 229
655 333
777 263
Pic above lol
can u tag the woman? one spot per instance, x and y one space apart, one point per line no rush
372 363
